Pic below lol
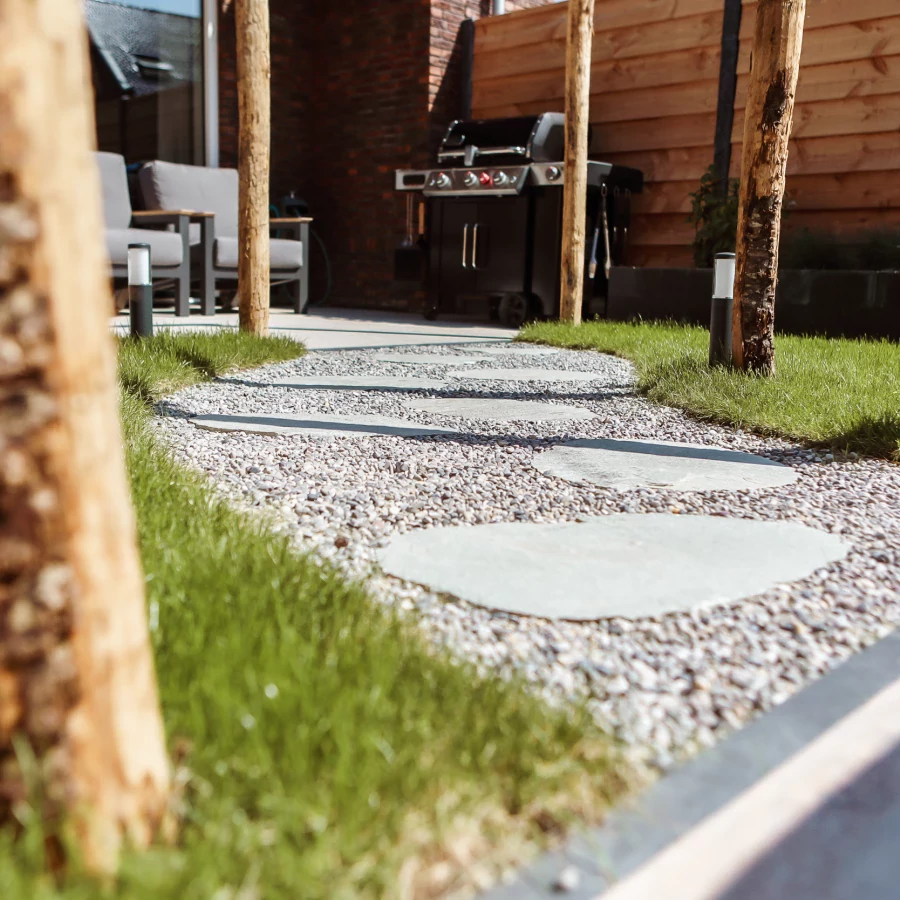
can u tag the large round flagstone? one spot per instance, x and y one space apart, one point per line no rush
626 465
360 383
424 359
549 375
499 410
317 425
620 565
512 350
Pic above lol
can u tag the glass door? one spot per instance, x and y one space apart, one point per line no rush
150 61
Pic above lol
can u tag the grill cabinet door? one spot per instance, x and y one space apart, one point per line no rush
499 244
456 275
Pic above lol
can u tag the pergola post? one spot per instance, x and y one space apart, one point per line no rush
774 69
578 91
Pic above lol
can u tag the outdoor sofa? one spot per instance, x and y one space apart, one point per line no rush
165 230
213 238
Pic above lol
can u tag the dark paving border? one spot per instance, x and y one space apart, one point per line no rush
674 805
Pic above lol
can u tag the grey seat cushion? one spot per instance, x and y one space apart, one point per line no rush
114 182
165 246
283 254
166 185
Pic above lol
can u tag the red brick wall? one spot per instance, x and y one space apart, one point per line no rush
357 91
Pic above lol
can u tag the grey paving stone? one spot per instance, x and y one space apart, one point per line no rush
550 375
318 425
512 350
500 410
629 566
360 383
427 359
626 465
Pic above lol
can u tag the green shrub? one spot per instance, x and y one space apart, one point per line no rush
714 217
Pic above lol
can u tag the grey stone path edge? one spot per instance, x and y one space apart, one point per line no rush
628 566
360 383
318 425
522 375
499 410
512 350
424 359
625 465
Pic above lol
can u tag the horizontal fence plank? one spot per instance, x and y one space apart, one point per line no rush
863 40
670 164
655 134
845 223
849 190
492 88
854 115
668 230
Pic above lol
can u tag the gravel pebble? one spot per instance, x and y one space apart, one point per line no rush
668 686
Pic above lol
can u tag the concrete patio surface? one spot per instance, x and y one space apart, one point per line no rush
342 329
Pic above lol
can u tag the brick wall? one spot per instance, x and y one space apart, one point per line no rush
357 91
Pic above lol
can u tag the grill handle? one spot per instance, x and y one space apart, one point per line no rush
475 247
465 265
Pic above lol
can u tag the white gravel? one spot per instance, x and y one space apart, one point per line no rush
665 685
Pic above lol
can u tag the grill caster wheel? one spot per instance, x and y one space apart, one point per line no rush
516 309
431 314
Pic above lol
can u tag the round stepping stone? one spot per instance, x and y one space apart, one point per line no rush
499 410
626 565
626 465
360 383
317 425
512 350
550 375
422 359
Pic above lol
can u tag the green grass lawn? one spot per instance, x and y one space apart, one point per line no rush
841 393
330 753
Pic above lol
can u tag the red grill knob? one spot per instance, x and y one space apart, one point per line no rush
485 179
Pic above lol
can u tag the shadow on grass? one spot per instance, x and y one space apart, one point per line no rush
873 435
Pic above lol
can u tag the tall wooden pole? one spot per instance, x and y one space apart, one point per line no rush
254 138
775 66
578 93
76 674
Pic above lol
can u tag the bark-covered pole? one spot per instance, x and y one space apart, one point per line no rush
774 68
77 683
578 95
254 136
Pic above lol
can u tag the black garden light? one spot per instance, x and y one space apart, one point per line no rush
720 316
140 290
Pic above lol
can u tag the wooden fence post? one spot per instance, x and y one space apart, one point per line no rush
254 138
775 66
77 684
578 95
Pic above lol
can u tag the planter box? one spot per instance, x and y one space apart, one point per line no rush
828 303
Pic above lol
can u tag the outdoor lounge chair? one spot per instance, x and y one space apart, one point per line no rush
169 249
214 240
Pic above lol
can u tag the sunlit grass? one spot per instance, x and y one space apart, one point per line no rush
841 393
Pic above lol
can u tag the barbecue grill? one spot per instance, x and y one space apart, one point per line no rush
494 223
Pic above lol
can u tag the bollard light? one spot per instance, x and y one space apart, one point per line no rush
720 315
140 290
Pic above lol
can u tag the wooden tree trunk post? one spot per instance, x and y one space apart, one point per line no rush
254 137
76 672
774 69
578 90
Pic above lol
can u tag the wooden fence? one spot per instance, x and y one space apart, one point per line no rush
654 93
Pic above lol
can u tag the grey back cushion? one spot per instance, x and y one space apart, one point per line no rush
166 185
114 182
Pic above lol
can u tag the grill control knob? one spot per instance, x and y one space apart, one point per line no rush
442 180
470 179
553 173
500 178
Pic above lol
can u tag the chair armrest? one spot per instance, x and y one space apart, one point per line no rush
291 227
289 220
168 216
